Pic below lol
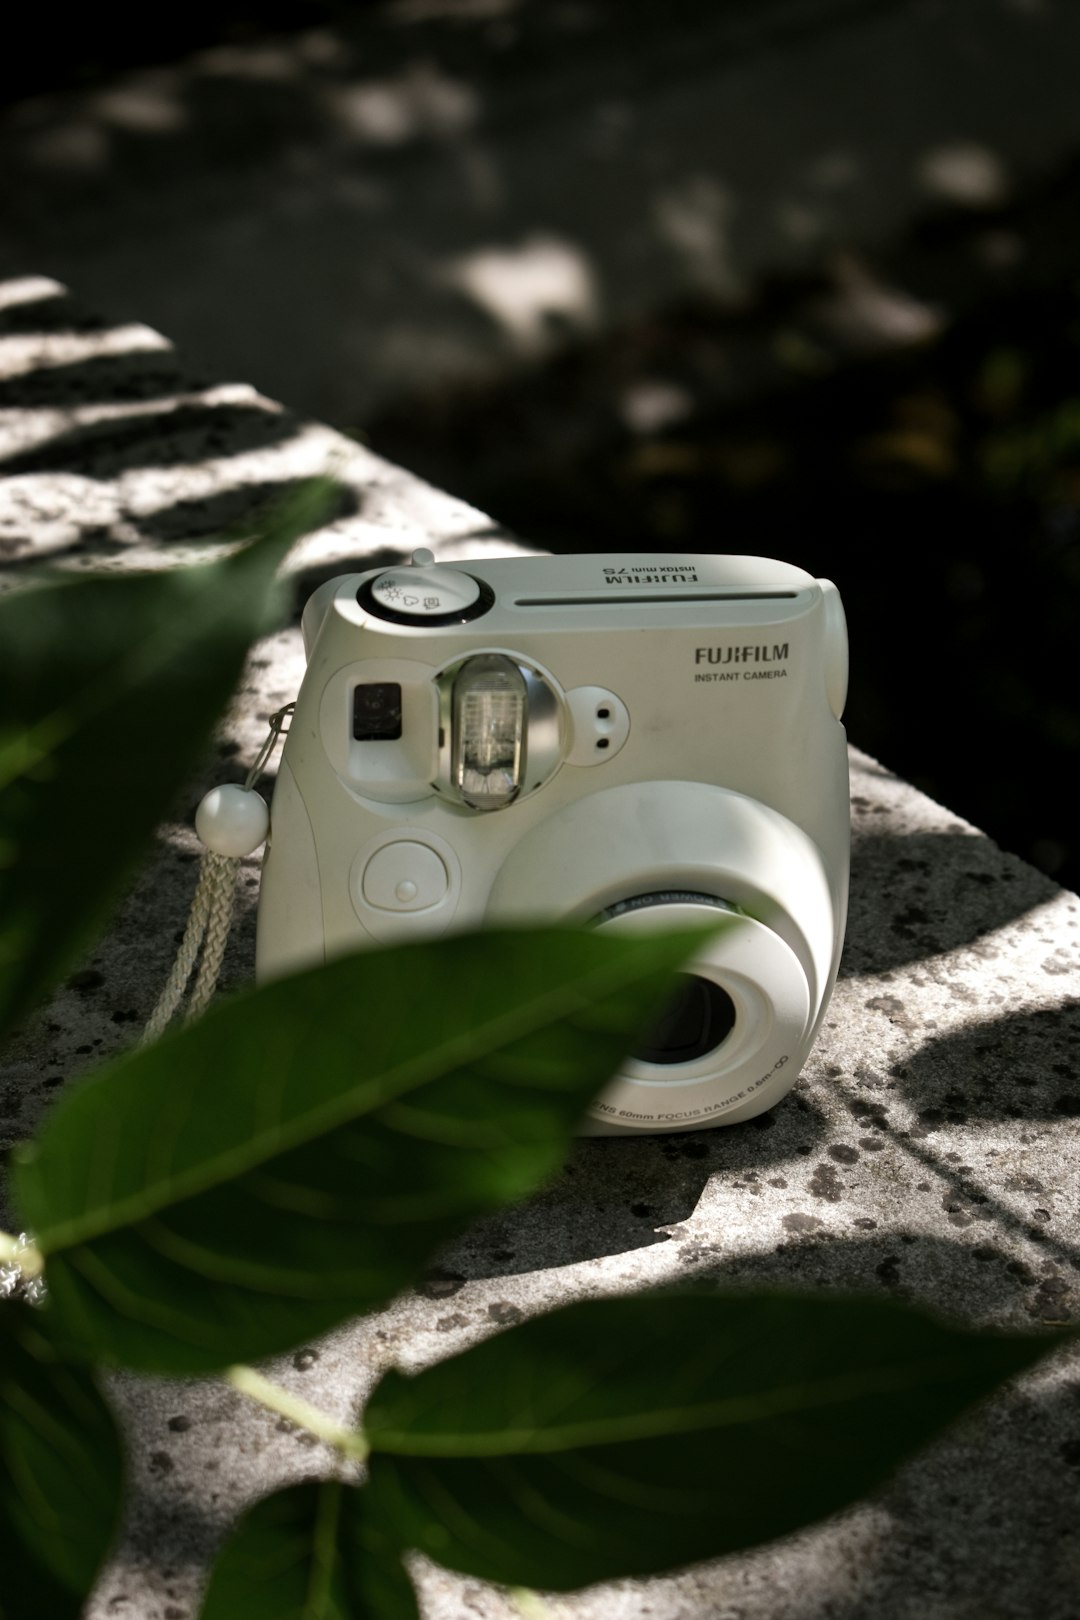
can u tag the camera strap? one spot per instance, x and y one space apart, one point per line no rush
227 821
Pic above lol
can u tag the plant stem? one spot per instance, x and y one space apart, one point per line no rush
350 1442
19 1251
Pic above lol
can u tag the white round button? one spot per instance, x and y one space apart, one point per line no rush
405 876
424 592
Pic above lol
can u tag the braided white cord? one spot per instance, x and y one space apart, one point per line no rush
218 922
211 912
210 909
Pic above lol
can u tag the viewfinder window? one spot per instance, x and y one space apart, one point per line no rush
377 711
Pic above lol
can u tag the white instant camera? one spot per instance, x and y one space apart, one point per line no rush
618 743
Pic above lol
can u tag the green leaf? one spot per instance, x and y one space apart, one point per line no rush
299 1155
629 1436
310 1553
61 1473
109 687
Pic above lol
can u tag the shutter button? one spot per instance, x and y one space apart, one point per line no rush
405 877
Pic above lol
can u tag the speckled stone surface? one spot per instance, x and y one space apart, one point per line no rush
928 1150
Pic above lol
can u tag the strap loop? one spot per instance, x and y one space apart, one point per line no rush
211 915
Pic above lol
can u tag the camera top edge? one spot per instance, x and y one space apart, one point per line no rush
425 595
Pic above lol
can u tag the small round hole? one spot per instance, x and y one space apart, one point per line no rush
603 743
603 714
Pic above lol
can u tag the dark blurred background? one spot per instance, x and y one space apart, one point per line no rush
798 277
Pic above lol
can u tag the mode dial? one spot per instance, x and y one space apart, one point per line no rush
422 593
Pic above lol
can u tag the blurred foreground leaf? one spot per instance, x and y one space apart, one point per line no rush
109 687
299 1155
61 1474
629 1436
309 1553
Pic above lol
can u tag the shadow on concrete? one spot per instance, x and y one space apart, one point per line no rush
617 1194
58 312
922 894
976 1279
228 517
183 436
134 375
1019 1066
235 512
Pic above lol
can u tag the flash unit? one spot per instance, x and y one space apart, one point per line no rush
489 705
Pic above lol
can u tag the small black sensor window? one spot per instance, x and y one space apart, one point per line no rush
377 712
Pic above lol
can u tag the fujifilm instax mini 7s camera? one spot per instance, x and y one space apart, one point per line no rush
611 742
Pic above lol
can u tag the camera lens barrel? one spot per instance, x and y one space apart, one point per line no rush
679 854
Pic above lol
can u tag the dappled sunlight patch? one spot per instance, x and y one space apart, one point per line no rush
652 404
864 312
694 217
422 100
17 290
964 173
534 291
146 105
22 353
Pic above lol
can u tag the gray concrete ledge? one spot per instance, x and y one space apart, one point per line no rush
928 1150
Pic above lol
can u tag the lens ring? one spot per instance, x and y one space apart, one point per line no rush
664 897
754 1063
702 1014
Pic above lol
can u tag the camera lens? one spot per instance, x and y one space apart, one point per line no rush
697 1018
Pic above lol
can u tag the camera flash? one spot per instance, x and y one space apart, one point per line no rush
489 707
